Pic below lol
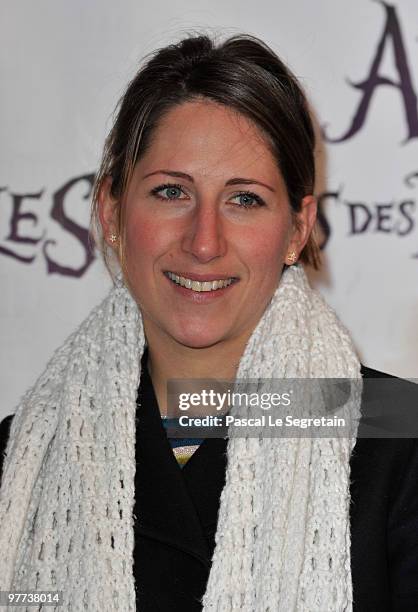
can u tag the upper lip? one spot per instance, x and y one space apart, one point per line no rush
202 277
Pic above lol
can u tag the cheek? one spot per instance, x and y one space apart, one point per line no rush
265 248
144 239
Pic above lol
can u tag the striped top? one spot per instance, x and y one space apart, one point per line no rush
183 448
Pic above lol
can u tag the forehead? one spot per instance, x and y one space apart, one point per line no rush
209 138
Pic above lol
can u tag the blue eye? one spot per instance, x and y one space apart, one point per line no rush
248 199
173 192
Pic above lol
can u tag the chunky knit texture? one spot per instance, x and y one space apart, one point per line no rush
67 496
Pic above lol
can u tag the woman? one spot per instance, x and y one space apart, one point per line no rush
204 200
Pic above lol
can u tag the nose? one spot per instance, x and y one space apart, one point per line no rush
205 235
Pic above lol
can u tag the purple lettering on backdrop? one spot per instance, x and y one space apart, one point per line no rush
409 180
322 219
383 218
16 217
82 234
406 208
388 218
392 32
355 208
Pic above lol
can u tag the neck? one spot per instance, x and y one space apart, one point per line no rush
168 360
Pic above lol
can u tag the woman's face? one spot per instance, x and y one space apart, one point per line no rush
206 203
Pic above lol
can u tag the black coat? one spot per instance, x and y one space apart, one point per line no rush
176 516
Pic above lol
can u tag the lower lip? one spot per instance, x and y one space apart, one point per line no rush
200 297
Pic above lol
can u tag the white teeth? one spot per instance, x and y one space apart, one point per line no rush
198 285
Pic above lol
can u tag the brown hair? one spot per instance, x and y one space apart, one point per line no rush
242 73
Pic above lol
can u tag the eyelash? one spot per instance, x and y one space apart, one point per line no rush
259 201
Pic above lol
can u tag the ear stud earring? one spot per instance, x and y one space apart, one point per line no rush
113 238
292 257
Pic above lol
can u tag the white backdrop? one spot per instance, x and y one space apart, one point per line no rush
63 67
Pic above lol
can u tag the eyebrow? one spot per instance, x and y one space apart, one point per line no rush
233 181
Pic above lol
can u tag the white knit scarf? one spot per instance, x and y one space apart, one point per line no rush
67 497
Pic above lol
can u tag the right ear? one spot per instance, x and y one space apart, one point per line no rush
108 213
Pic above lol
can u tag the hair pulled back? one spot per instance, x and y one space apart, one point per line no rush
242 73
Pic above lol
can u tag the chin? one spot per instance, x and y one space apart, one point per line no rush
198 339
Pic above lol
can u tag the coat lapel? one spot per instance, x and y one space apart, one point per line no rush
204 475
178 506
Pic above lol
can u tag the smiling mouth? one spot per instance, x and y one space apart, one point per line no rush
200 286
